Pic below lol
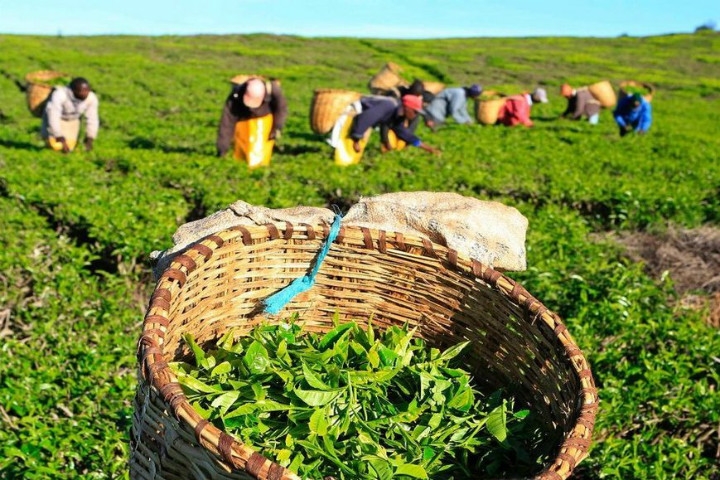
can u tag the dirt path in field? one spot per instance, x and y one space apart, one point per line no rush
692 258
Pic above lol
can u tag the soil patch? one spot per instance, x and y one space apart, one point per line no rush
692 258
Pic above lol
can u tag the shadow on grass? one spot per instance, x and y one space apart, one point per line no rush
547 119
312 137
142 143
20 145
300 149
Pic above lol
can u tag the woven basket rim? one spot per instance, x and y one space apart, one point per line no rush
235 79
634 83
40 76
335 90
327 105
490 93
156 371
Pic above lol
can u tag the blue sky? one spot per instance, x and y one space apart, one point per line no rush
358 18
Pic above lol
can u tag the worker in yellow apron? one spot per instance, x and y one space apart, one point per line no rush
344 153
253 141
65 108
253 117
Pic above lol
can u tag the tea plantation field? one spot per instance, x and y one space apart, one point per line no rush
76 230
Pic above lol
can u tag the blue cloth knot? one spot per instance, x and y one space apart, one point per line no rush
275 302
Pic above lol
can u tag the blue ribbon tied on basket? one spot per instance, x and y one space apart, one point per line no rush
275 302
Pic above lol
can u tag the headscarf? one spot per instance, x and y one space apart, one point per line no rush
413 102
474 90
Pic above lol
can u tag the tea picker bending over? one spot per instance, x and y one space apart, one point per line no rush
253 99
388 114
450 102
416 88
61 119
516 109
580 102
633 112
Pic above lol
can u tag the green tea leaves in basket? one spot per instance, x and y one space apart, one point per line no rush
355 403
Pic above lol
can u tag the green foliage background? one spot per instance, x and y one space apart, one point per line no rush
76 230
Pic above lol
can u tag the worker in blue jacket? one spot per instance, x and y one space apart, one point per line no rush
633 112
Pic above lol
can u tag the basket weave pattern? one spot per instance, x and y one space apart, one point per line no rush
387 80
327 105
38 90
488 106
604 93
220 282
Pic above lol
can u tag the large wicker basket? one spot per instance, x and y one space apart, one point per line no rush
220 282
488 105
627 85
39 88
327 105
433 87
604 93
387 80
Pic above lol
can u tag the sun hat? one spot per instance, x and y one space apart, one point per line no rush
541 95
254 93
413 102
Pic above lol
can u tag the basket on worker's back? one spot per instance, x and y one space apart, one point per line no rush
628 87
387 80
244 77
39 86
327 105
433 87
219 283
604 93
488 106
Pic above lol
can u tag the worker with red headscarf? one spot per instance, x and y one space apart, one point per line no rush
389 115
255 99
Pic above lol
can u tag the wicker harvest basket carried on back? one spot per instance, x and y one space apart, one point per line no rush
244 77
603 93
39 89
627 85
387 80
327 105
434 87
220 282
488 106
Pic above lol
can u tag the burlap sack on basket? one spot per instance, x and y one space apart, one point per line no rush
489 232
